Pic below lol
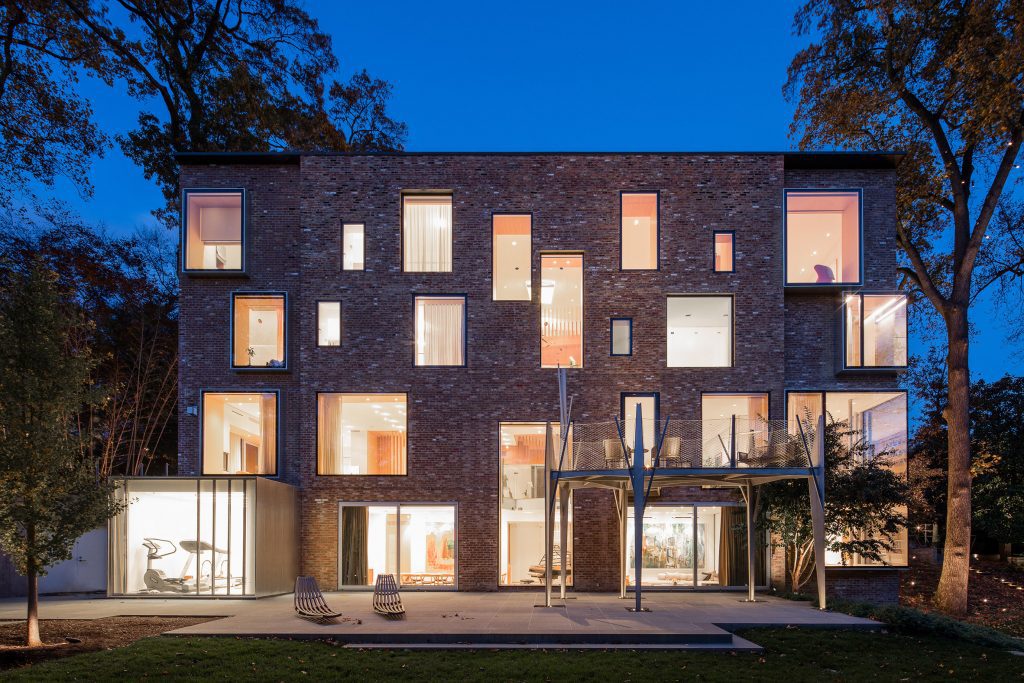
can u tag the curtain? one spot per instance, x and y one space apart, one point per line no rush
732 558
427 234
329 434
440 335
386 452
268 434
354 560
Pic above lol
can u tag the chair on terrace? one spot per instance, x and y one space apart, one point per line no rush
310 603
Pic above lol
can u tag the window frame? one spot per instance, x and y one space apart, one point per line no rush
844 368
343 268
657 230
494 255
278 440
316 427
341 324
465 326
583 308
785 238
732 330
183 233
714 245
611 336
402 196
231 333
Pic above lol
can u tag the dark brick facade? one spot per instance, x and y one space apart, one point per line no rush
295 211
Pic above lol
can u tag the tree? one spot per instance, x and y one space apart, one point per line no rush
940 79
50 493
863 505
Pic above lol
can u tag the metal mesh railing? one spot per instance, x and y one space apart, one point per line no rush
720 443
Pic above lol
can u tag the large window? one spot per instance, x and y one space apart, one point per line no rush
427 233
414 542
258 331
440 330
328 323
361 434
561 311
699 331
239 433
353 237
822 237
212 230
510 257
639 230
734 428
876 418
521 558
724 252
875 330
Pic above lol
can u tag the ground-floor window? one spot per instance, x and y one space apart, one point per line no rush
692 545
413 542
521 557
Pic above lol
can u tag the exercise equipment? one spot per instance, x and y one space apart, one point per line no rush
156 579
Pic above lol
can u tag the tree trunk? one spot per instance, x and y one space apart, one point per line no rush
951 595
32 617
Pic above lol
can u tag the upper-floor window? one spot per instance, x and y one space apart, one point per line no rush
699 331
639 231
361 433
258 331
823 237
427 233
561 310
440 330
734 428
212 230
353 237
510 256
875 330
724 252
239 433
328 323
621 336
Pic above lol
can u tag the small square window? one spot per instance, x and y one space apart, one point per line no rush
639 231
212 231
822 235
622 336
440 330
427 233
353 236
875 330
328 323
258 331
724 252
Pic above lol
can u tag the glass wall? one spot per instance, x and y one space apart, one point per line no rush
427 233
822 237
239 433
414 542
876 330
259 331
353 236
328 323
212 233
725 416
639 230
511 257
361 434
699 331
440 330
561 311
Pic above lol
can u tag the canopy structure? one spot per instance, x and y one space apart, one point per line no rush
666 453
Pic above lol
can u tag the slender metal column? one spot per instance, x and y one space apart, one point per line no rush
639 503
548 522
620 500
816 489
748 494
563 503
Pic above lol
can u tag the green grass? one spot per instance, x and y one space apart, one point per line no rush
790 655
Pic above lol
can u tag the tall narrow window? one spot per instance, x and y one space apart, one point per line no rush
639 230
212 229
259 331
724 252
440 330
622 336
353 236
427 233
875 330
239 433
699 331
822 237
361 433
561 311
510 264
328 323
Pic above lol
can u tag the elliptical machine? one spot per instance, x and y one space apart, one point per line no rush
156 579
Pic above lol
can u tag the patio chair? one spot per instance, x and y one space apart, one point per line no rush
310 603
670 450
386 599
614 458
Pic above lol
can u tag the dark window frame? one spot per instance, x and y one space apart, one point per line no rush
785 238
183 233
279 427
343 268
231 333
494 256
714 246
583 307
316 427
862 368
657 230
465 326
732 330
611 336
402 196
341 324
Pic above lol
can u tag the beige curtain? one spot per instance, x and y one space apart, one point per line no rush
268 434
427 234
439 331
329 434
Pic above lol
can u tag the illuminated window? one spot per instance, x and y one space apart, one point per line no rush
561 311
822 237
734 428
440 330
622 336
724 252
427 233
239 433
510 256
259 331
639 230
875 330
212 230
353 236
328 323
361 433
699 331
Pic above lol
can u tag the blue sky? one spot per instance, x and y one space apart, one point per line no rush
552 76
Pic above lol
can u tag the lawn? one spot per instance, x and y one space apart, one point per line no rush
790 655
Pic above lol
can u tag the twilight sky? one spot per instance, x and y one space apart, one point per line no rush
548 76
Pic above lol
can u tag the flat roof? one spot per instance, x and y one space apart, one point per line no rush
793 159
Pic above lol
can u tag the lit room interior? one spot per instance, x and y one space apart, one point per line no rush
511 257
717 425
881 320
361 434
328 323
561 311
639 231
213 234
822 237
259 331
239 433
699 331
